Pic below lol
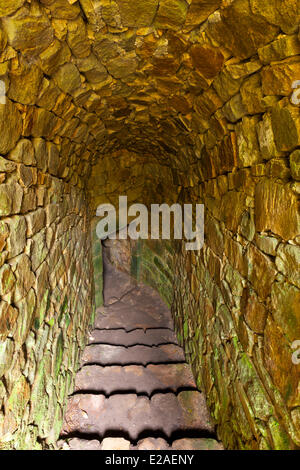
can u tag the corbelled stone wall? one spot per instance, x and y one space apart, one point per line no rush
45 283
141 177
195 101
239 315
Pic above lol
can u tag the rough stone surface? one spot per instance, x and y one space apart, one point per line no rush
196 444
129 400
148 379
165 102
163 412
10 126
149 337
118 315
7 7
110 355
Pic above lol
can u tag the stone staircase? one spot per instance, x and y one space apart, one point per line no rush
134 390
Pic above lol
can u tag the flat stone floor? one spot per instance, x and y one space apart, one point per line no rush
134 389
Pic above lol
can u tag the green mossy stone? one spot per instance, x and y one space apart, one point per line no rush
280 437
295 164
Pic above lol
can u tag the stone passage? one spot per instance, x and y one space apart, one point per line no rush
134 389
165 101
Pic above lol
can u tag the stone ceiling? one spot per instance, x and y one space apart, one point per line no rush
158 76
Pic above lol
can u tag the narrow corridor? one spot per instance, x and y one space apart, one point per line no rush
134 389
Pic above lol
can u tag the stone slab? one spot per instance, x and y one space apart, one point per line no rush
115 284
138 379
105 354
141 308
120 337
130 415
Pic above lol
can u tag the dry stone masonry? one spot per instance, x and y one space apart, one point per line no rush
134 390
168 101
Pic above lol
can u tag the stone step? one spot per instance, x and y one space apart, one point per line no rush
116 284
197 444
132 415
80 444
120 337
105 354
138 379
150 443
141 308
